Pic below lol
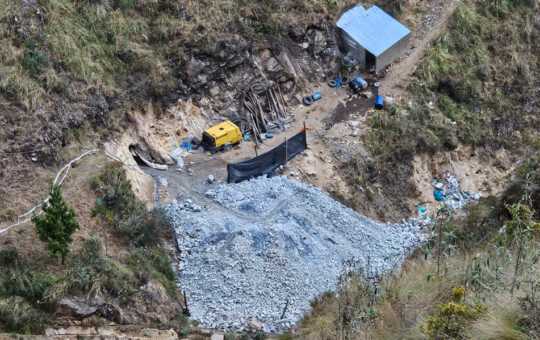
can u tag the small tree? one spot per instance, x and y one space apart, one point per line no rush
56 225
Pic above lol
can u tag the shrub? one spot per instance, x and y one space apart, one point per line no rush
34 60
452 318
93 271
21 280
9 215
127 214
144 227
16 315
153 263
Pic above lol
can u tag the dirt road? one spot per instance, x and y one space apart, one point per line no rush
434 22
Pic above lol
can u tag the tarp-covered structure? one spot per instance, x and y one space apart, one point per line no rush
266 163
373 34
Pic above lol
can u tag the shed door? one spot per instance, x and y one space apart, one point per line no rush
351 46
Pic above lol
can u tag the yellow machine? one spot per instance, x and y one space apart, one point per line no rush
221 137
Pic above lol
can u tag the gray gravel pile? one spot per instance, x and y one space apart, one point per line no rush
261 241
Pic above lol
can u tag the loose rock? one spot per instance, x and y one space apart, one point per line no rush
267 239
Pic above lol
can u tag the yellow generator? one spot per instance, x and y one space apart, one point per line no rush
221 137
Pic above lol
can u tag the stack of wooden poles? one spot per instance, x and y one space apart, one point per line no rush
256 114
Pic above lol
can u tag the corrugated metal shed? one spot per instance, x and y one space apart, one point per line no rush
375 30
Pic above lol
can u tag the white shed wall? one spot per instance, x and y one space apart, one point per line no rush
391 54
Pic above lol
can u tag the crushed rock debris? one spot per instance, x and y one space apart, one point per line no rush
259 242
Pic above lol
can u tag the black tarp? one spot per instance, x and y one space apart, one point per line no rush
266 163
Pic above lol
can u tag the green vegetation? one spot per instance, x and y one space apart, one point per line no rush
480 75
143 228
93 271
22 289
27 293
452 318
114 45
477 278
127 214
16 315
56 225
9 215
20 279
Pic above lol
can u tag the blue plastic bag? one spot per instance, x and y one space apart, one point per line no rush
438 195
337 81
186 145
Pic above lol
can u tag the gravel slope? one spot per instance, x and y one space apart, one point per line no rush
267 239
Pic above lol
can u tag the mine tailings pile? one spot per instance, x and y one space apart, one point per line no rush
263 242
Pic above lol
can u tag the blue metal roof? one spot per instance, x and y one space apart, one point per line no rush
375 30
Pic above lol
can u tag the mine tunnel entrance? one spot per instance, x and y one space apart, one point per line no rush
135 150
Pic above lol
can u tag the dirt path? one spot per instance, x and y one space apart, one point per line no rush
434 22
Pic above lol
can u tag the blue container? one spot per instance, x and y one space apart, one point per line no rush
379 103
361 82
317 96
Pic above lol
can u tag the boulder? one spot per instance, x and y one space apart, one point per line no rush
255 325
151 304
119 316
78 306
319 41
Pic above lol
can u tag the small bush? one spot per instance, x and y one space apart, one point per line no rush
144 228
452 318
9 215
34 60
229 336
148 263
21 280
286 336
183 333
263 31
16 315
181 319
398 8
93 271
128 214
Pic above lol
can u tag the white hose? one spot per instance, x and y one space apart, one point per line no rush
55 182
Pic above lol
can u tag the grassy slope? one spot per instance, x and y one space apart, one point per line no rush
479 251
482 74
131 254
101 44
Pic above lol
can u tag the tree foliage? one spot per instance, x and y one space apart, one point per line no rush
56 225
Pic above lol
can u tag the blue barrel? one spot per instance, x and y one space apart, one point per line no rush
379 103
361 82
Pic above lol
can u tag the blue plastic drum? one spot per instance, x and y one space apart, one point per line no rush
379 102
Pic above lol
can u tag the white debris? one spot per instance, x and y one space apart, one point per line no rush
452 195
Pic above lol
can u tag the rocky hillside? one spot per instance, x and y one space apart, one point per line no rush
71 67
125 75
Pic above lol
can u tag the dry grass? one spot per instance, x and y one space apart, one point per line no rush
408 299
483 259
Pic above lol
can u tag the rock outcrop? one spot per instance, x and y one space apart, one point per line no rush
150 304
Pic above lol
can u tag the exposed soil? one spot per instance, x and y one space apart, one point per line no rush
359 104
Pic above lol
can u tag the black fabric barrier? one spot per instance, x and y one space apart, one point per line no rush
266 163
